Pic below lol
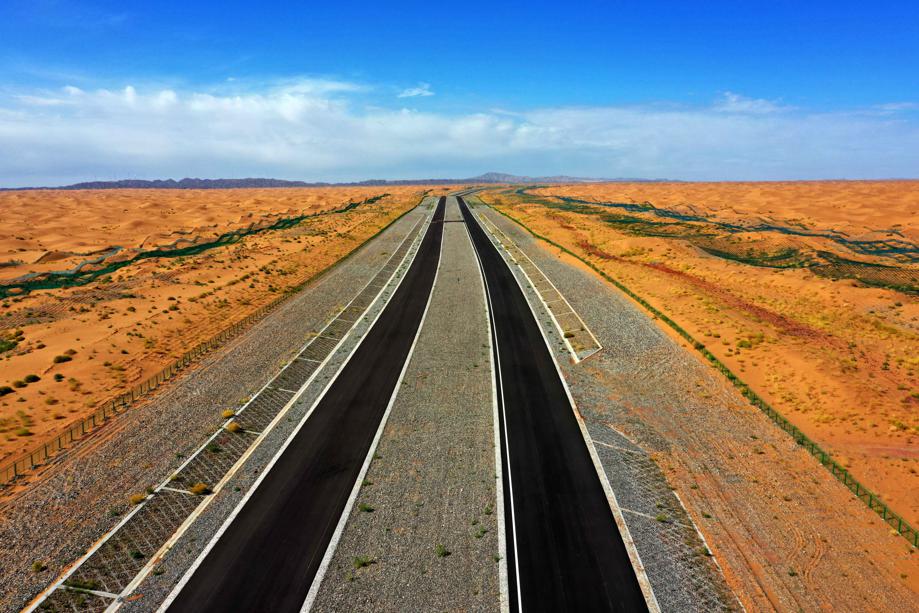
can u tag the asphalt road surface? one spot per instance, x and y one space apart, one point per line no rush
564 549
269 555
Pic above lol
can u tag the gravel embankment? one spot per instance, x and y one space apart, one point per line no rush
85 493
788 535
156 587
432 481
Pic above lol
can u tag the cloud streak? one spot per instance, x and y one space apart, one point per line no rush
423 89
325 129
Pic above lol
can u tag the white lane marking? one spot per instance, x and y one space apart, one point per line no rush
199 510
352 498
493 231
503 588
517 247
634 557
95 547
264 472
189 521
510 477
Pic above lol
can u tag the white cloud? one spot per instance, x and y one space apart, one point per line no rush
320 129
897 107
735 103
423 89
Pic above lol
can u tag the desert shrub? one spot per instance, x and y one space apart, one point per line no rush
5 389
58 377
200 489
82 584
32 378
228 413
441 551
137 498
19 383
366 508
60 359
38 566
362 561
234 427
23 431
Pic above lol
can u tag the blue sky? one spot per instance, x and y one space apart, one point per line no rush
723 90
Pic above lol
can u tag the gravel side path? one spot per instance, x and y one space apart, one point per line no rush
788 535
85 493
432 481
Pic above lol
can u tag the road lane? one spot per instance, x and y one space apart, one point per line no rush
564 551
268 556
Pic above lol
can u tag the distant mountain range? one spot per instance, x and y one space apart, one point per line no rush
488 177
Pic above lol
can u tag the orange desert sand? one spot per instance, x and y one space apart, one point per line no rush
121 328
840 359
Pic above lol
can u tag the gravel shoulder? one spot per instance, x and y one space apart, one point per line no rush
85 493
785 533
432 481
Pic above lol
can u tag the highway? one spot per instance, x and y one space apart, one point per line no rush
564 551
266 560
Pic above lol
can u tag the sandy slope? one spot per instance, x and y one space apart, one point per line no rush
839 359
127 326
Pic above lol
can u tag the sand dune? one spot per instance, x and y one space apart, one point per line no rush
838 357
127 324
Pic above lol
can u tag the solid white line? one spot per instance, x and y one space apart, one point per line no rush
562 296
229 520
493 231
503 587
199 510
510 477
352 498
95 547
624 532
